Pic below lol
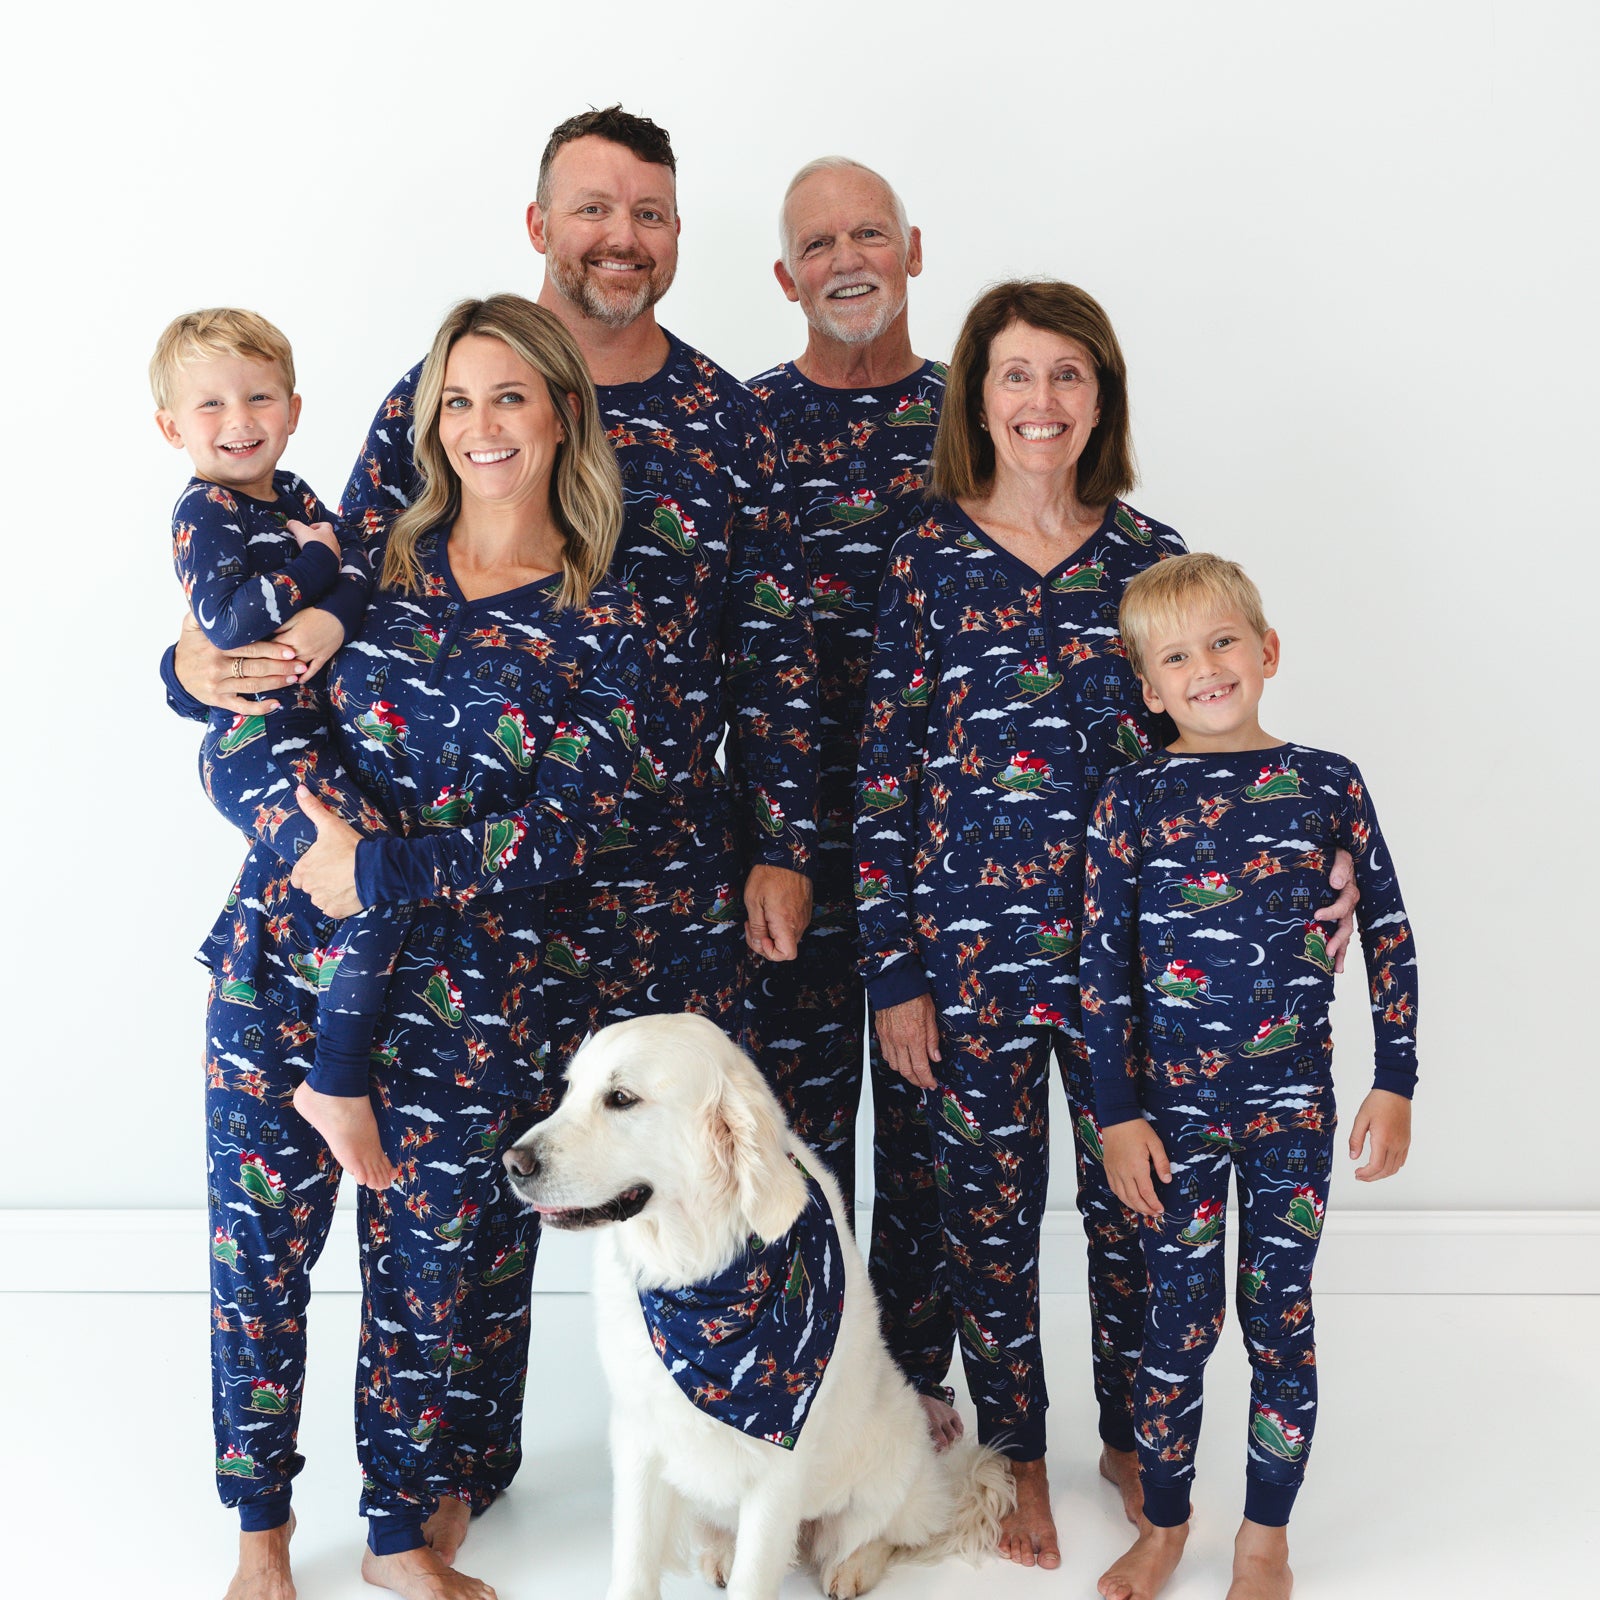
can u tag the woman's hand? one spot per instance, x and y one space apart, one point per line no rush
327 871
1343 910
1132 1149
909 1035
313 635
224 678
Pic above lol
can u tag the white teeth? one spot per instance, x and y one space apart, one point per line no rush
242 444
1036 431
487 458
1215 694
852 292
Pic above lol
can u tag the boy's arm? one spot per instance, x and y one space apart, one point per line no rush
1386 940
346 601
210 550
384 477
1110 976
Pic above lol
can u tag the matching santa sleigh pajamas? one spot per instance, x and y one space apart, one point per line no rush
494 739
655 925
852 464
1205 992
999 698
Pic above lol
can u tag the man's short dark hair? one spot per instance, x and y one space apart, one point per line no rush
638 135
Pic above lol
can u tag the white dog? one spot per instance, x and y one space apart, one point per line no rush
669 1132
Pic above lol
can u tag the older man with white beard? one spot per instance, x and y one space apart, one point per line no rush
854 416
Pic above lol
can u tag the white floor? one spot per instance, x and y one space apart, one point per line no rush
1454 1458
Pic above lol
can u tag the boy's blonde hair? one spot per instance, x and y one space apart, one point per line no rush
586 485
1159 598
206 335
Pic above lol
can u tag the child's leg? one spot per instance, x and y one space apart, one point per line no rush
1283 1188
1183 1253
353 977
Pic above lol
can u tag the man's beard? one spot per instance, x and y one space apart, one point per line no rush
852 330
615 307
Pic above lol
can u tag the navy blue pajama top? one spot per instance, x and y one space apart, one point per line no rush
241 570
723 585
999 700
1199 945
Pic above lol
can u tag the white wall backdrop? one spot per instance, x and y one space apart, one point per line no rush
1348 250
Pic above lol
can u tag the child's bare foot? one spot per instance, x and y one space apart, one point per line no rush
1141 1572
421 1575
446 1529
347 1123
944 1421
1028 1534
263 1572
1260 1563
1121 1469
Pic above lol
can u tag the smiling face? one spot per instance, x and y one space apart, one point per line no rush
846 260
498 427
1207 671
1040 400
609 230
234 415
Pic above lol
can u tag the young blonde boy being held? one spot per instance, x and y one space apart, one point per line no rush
1206 985
258 558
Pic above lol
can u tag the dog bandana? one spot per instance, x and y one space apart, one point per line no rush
750 1345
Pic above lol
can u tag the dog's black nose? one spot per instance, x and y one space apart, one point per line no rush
521 1161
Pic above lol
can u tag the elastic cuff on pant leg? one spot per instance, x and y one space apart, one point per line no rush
261 1516
390 1536
1015 1444
1268 1504
1116 1428
1166 1505
342 1063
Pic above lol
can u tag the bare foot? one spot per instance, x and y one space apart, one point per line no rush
1121 1468
347 1123
446 1529
1028 1534
1142 1571
1260 1563
263 1572
944 1421
421 1575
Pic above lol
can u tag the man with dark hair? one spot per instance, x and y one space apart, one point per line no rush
656 925
854 416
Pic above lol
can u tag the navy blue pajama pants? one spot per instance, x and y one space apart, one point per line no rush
1275 1136
445 1257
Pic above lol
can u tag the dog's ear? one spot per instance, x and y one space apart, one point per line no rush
750 1148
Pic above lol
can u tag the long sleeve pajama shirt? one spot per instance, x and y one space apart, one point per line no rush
852 464
999 698
493 738
1205 988
655 925
245 577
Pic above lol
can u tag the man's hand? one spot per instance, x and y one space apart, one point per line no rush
208 674
313 533
1131 1150
313 635
777 910
1387 1118
909 1035
1343 910
327 871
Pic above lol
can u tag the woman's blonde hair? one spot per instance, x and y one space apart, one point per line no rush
1163 597
962 464
585 485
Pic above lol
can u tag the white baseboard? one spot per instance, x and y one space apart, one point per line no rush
1363 1252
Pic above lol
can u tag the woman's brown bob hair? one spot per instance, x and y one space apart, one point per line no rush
585 486
963 453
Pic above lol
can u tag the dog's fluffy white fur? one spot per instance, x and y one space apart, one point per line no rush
669 1133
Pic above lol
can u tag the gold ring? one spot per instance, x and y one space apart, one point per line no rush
238 666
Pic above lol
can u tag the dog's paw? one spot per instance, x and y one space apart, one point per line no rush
715 1557
857 1572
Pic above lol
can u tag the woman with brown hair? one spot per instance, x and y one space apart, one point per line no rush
486 712
1000 699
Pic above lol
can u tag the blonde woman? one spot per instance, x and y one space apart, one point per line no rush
486 711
